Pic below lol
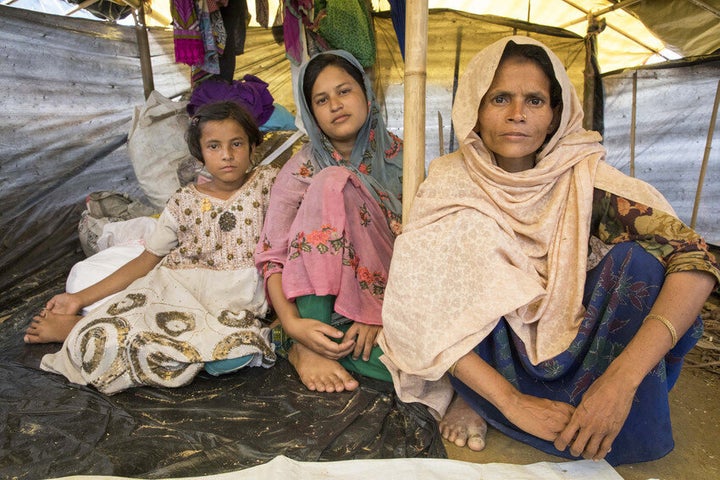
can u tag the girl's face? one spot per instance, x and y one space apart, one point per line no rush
226 151
515 115
339 106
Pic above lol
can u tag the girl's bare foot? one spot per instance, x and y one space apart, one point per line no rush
462 425
49 327
318 373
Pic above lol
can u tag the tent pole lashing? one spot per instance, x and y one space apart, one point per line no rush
596 14
706 156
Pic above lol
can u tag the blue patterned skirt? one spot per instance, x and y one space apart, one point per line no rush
619 293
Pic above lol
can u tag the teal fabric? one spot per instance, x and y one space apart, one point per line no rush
281 119
321 308
228 365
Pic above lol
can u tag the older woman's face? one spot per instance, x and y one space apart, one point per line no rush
515 115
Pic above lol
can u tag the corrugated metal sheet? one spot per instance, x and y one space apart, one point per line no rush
69 88
673 110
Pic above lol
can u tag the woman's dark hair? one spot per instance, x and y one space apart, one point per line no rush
220 111
318 64
540 57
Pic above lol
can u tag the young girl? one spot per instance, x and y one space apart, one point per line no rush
332 220
193 298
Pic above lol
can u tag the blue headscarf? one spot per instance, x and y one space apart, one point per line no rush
377 155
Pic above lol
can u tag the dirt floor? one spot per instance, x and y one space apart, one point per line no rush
695 413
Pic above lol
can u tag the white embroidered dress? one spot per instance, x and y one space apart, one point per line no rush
201 303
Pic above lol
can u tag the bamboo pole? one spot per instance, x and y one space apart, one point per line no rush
144 50
633 124
706 156
416 22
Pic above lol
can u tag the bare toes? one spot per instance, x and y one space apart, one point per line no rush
476 442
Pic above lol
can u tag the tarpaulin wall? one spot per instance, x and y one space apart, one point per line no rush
70 87
673 111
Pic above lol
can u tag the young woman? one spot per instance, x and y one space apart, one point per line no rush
574 360
193 298
333 216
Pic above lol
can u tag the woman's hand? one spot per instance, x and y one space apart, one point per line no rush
606 404
537 416
599 417
317 336
541 417
65 303
365 338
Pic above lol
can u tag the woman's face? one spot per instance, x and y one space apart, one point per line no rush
515 115
339 106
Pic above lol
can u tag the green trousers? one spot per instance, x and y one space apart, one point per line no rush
321 308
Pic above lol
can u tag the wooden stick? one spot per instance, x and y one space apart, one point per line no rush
416 23
706 364
633 123
441 137
706 156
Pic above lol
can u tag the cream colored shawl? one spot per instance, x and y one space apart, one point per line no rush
482 243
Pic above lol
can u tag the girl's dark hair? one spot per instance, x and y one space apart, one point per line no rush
318 64
540 57
220 111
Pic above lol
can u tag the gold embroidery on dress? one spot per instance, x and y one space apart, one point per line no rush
175 323
155 357
244 319
228 344
93 340
129 302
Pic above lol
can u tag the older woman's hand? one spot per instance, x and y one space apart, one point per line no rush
599 417
538 416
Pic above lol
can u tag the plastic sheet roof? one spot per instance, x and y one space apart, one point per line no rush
636 32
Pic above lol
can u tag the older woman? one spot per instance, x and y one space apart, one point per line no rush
491 296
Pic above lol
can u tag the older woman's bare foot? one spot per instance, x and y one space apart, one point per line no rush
462 425
318 373
49 327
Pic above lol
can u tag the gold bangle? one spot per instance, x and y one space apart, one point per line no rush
667 324
452 368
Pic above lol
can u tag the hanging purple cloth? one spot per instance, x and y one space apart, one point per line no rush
250 92
186 33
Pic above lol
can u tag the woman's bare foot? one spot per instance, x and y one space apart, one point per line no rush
462 425
49 327
318 373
